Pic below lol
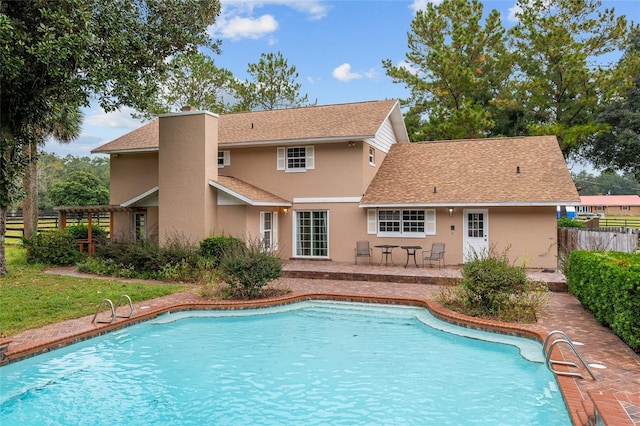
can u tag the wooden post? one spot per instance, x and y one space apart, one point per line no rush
63 220
90 236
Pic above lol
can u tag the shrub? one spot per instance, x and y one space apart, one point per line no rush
492 287
217 248
81 232
249 271
567 222
52 248
608 285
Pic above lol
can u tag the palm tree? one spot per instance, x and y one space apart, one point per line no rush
64 126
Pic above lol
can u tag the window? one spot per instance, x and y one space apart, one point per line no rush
269 231
224 158
296 159
625 208
408 223
139 225
372 156
312 234
599 208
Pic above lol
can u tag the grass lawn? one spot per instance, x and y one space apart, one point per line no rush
29 298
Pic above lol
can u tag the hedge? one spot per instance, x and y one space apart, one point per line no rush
608 285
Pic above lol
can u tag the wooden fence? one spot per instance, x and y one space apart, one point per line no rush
623 240
48 222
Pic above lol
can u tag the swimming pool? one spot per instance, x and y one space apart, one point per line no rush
305 363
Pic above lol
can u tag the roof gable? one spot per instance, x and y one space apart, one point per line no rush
329 122
503 171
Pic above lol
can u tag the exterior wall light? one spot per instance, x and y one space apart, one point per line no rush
450 211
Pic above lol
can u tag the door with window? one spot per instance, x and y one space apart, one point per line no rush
139 225
311 234
476 233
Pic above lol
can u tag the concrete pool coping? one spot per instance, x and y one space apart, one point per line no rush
616 395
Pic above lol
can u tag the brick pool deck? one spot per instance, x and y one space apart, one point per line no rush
615 394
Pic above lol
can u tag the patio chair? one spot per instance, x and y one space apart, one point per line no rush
436 254
363 250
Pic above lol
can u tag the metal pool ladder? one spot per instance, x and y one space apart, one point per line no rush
114 309
550 362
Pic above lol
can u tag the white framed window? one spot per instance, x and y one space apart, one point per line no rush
625 208
402 223
372 156
599 208
224 158
139 225
296 158
269 231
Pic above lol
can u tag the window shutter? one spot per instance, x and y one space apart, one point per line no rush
309 160
430 222
372 221
226 158
282 157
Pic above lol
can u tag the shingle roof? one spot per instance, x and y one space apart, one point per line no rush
327 122
247 192
610 200
504 171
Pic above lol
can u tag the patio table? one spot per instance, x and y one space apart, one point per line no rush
387 252
411 251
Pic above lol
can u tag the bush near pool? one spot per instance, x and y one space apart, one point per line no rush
608 285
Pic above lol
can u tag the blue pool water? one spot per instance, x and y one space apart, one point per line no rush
303 364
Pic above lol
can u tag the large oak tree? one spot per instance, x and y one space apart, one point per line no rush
58 53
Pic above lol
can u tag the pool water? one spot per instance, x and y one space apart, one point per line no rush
304 364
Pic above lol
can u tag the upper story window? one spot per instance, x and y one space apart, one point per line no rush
224 158
624 208
402 223
372 156
296 159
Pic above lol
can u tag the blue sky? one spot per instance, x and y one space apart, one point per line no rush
337 48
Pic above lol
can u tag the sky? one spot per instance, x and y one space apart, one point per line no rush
337 48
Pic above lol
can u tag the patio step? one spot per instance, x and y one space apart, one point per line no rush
370 277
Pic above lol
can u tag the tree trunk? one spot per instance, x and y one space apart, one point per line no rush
3 232
30 186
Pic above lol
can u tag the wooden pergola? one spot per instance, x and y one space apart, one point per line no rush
89 210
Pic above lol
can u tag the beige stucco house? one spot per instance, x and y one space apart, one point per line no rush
309 182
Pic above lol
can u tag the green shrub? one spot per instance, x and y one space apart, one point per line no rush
608 285
248 272
491 280
81 232
52 248
217 248
491 287
567 222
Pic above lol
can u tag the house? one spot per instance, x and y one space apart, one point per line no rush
609 205
309 182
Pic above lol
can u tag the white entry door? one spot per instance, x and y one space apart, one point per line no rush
476 232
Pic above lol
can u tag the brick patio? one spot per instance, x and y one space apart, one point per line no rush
615 394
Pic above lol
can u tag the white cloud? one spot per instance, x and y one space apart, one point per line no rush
314 9
343 73
407 66
422 4
237 27
120 119
513 10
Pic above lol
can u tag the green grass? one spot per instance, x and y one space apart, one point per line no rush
29 298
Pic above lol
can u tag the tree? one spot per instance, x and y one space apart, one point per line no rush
606 183
65 125
194 80
273 86
64 52
79 189
454 69
561 80
619 148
